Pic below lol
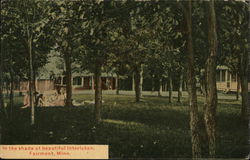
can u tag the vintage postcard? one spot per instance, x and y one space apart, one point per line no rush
125 79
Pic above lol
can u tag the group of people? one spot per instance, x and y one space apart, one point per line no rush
40 100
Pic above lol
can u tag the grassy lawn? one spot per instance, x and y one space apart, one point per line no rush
153 128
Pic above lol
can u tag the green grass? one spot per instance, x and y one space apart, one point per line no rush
153 128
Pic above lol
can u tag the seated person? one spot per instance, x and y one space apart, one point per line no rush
26 100
60 101
40 100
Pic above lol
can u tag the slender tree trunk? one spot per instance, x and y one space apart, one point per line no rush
117 84
34 81
203 83
166 86
238 88
141 80
98 94
11 97
8 88
180 87
194 118
133 81
152 83
67 59
170 98
2 109
3 112
185 85
211 95
138 83
160 87
34 86
31 92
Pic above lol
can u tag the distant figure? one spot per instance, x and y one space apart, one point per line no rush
60 101
26 100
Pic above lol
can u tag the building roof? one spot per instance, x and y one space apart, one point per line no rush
222 67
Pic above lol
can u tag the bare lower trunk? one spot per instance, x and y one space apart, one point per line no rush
138 83
11 97
238 88
160 87
7 88
244 95
31 92
3 112
185 85
166 86
133 82
180 87
153 84
67 59
98 94
1 85
194 119
170 98
117 84
244 84
210 107
211 95
34 88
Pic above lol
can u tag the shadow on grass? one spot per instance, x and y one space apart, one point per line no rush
152 128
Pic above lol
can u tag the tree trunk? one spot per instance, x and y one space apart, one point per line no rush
11 97
7 88
180 87
31 92
138 83
67 59
203 83
2 109
194 118
98 94
211 95
117 84
160 88
185 85
152 83
34 87
133 81
238 87
244 84
170 97
165 86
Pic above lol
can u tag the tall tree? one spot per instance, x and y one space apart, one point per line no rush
96 54
28 23
193 107
234 44
211 92
65 15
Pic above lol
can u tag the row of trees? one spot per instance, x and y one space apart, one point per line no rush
165 39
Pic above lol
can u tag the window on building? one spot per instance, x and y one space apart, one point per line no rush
64 80
58 80
77 81
223 76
